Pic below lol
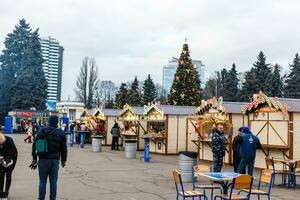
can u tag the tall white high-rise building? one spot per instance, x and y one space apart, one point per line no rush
170 70
52 54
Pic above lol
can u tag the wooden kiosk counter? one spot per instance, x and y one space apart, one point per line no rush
206 117
166 127
156 129
275 121
133 124
270 120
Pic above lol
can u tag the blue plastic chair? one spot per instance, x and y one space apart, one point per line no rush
183 193
241 182
266 176
203 169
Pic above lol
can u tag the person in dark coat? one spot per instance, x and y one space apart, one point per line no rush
249 144
8 160
218 147
236 149
115 131
48 163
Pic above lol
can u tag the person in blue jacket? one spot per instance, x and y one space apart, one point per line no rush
249 143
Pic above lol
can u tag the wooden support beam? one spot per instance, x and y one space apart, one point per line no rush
230 140
167 134
106 130
177 133
261 129
277 134
291 135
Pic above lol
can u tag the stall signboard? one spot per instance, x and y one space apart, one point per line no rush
25 114
263 103
211 111
100 115
129 114
51 106
153 113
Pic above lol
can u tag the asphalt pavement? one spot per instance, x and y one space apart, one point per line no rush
107 175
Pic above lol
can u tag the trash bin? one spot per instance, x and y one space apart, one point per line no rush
96 143
187 159
130 148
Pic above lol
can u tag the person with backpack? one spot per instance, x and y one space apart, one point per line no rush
8 160
249 143
50 147
115 131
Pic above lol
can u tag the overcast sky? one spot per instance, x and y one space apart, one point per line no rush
138 37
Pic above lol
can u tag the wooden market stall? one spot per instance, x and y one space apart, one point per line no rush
133 125
270 120
111 117
156 129
206 117
85 123
98 123
167 126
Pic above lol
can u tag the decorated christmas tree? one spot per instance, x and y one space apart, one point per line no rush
185 90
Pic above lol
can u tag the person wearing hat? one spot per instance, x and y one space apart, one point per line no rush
249 143
8 160
48 163
218 147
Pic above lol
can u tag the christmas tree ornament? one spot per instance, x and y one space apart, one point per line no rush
193 102
256 115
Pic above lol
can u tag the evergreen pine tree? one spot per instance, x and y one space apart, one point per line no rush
161 94
210 88
134 98
292 89
30 87
185 90
231 85
149 91
110 102
263 74
12 62
257 79
223 77
121 96
218 82
249 86
276 84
